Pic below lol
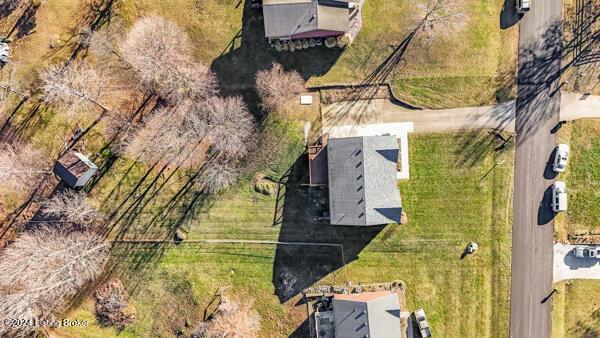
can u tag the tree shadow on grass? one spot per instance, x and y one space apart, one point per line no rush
7 7
588 327
26 22
236 67
302 331
474 146
325 248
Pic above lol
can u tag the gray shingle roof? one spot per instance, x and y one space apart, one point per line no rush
375 318
284 18
362 180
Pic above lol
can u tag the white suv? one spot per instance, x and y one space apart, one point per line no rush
523 6
559 196
561 158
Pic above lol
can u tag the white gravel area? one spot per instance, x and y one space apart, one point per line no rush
566 266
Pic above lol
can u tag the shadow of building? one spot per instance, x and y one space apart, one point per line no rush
249 52
321 248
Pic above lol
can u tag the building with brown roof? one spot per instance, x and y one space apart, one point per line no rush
75 169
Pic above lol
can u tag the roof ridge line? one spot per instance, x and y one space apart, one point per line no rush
362 154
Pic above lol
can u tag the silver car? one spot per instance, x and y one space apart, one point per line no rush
561 158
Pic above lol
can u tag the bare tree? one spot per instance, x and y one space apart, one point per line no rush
20 166
74 209
161 53
42 270
219 176
173 134
9 85
276 86
161 139
9 82
232 320
438 18
231 126
76 88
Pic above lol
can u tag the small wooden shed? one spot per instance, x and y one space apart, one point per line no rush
75 169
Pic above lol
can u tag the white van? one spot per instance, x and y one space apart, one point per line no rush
523 6
559 196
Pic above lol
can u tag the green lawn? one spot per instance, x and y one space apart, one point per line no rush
456 194
582 178
576 310
473 67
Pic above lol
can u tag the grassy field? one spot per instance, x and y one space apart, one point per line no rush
459 192
582 50
473 67
582 178
576 310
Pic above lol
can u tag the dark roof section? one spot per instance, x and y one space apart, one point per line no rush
370 314
75 169
362 180
285 18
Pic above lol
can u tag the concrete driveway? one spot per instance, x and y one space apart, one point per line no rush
384 111
566 266
573 106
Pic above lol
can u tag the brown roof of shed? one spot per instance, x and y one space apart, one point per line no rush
76 163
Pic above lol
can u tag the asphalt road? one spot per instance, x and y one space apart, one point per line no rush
537 114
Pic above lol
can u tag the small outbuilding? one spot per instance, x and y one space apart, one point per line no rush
75 169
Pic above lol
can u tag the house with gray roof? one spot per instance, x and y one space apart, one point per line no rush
301 19
362 180
368 314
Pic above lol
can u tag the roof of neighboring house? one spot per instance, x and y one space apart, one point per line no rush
363 181
285 18
368 314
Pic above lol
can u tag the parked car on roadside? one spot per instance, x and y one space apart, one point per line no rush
559 196
523 6
583 251
561 158
423 323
